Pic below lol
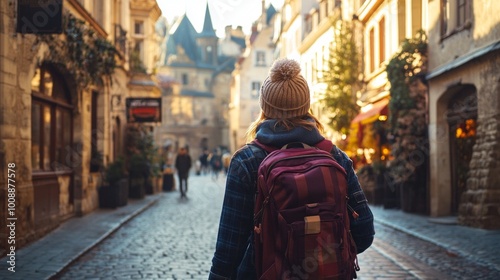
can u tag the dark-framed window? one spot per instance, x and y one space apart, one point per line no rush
255 90
444 17
456 16
139 27
185 78
463 12
260 58
51 122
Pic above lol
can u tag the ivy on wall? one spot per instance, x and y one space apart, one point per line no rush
408 110
403 69
87 56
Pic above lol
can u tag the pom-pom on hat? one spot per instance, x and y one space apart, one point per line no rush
284 93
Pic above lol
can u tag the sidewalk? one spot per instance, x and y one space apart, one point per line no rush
52 253
46 257
478 245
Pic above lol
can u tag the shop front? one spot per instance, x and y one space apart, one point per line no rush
369 148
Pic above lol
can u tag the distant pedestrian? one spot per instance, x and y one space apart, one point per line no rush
216 163
183 164
226 159
204 162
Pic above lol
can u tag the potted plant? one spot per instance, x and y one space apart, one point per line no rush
114 190
138 173
142 160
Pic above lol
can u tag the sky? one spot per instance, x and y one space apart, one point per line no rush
223 12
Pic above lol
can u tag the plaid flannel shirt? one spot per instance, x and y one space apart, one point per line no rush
234 258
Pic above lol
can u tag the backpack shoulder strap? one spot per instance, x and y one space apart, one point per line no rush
325 145
264 147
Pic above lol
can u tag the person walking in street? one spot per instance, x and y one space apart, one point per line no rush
205 169
216 163
285 118
226 159
183 164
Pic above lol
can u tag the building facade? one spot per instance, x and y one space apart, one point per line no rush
462 90
464 109
251 70
61 111
195 77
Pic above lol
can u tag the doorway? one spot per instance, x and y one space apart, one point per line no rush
462 121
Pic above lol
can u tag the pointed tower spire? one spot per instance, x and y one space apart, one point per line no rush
208 29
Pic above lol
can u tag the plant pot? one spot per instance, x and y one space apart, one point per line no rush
122 192
107 197
168 182
115 195
148 185
137 188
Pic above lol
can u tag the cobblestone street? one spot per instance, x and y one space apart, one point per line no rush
175 239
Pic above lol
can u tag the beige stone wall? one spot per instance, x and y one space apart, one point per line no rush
15 129
19 57
480 205
484 30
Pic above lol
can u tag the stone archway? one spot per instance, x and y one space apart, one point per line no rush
461 116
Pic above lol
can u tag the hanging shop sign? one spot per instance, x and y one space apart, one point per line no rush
140 110
39 16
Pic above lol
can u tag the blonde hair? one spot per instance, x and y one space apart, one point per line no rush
287 123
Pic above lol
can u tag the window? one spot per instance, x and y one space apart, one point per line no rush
455 16
209 54
94 135
401 20
308 23
381 38
444 16
323 9
371 47
51 123
98 11
255 90
185 79
139 27
260 58
463 12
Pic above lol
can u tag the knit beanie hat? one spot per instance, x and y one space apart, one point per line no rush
284 93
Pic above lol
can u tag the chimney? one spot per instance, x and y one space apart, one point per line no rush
263 16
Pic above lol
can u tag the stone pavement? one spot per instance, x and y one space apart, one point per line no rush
48 256
478 245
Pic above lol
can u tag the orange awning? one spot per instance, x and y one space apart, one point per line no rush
379 108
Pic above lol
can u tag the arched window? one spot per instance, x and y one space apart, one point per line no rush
51 122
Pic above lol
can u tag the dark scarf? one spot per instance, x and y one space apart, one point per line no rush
271 135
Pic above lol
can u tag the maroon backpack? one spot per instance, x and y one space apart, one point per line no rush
300 215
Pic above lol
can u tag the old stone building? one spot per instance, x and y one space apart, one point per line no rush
251 70
462 77
61 109
464 108
195 77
